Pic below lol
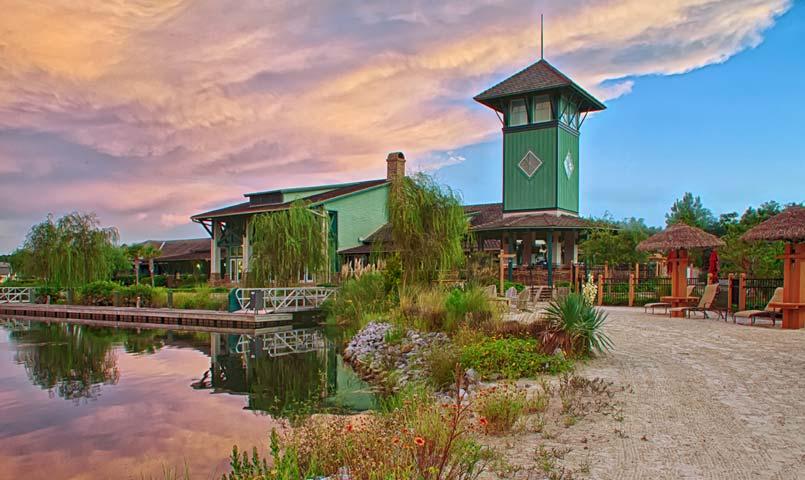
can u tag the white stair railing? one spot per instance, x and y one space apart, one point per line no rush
16 294
285 299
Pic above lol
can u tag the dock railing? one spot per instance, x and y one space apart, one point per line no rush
285 299
17 294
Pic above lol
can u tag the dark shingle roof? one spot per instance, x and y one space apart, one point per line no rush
483 213
534 221
248 208
537 77
176 250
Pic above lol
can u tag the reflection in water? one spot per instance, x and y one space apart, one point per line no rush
283 373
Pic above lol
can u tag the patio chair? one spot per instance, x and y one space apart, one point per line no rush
705 303
491 291
666 305
524 300
768 312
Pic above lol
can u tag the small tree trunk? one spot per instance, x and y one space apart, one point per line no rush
137 271
151 270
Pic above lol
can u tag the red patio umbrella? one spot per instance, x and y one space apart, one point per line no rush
713 268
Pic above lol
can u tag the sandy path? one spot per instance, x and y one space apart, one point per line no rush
702 399
713 400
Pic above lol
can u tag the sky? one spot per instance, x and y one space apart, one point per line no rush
148 112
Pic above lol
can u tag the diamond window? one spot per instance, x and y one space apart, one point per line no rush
569 165
530 164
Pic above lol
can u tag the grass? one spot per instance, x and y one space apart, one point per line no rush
511 358
500 408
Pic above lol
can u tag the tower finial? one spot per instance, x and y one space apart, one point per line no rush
541 37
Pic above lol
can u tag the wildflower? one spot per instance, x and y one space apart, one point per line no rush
420 442
349 427
483 421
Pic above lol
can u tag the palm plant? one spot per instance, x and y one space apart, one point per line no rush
135 254
148 252
575 326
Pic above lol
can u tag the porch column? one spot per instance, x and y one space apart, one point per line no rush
247 254
549 252
528 242
557 248
215 251
570 248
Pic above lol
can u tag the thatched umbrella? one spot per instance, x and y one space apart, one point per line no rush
789 226
676 240
679 236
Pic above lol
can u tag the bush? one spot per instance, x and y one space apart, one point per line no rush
511 358
99 293
575 326
440 364
424 308
470 306
500 407
128 295
200 299
358 297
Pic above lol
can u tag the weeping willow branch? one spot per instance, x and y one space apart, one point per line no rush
285 244
69 252
428 227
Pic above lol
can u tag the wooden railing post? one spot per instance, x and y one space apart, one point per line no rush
600 290
742 292
637 271
606 269
730 279
632 279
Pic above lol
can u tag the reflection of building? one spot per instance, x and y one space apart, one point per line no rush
285 372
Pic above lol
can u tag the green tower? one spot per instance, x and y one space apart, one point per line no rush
542 111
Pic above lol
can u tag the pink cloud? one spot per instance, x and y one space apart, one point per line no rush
188 104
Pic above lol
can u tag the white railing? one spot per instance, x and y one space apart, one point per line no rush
285 299
17 294
287 342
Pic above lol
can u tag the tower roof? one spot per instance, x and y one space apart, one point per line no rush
538 77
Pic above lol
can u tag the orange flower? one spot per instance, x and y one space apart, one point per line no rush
483 421
420 442
395 440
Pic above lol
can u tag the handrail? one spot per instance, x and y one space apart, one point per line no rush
17 294
285 298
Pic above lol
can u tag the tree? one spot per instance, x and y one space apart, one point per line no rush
135 254
149 253
428 227
757 259
69 252
287 243
690 210
615 242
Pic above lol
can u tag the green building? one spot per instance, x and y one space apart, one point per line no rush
542 112
353 211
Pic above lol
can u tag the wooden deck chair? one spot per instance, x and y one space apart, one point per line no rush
666 305
705 303
768 312
491 291
523 300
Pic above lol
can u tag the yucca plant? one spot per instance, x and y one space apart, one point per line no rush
575 326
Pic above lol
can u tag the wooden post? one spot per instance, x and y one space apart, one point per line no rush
631 289
730 279
606 269
794 286
742 292
600 290
637 271
169 300
501 270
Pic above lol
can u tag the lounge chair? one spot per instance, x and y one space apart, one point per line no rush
705 303
768 312
491 291
524 300
666 305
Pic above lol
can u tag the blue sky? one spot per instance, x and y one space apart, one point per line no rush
732 133
147 113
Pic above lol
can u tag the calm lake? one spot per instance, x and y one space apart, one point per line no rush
87 402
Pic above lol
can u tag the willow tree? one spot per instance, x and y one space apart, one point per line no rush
428 227
286 244
70 251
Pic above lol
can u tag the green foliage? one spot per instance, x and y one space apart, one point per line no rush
68 252
500 407
440 364
285 244
756 259
577 326
511 358
99 293
428 227
469 306
690 210
202 298
615 242
359 297
284 465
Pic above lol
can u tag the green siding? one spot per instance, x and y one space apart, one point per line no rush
359 214
291 196
568 193
519 191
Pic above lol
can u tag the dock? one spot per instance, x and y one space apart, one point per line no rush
160 317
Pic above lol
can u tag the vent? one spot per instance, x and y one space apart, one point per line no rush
530 164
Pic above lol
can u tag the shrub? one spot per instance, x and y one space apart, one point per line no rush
100 293
200 299
500 407
424 308
470 306
440 364
358 297
511 358
128 295
575 326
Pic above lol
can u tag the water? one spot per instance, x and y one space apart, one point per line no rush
86 402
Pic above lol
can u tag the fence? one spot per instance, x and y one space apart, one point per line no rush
17 295
735 293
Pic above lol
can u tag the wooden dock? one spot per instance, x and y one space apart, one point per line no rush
157 317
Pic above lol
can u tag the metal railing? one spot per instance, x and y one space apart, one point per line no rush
17 294
287 299
278 344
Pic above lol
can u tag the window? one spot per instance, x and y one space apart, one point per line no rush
542 109
517 113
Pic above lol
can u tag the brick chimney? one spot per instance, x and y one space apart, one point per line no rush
395 166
